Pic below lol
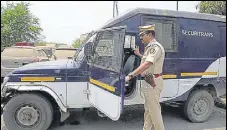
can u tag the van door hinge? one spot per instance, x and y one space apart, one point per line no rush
86 91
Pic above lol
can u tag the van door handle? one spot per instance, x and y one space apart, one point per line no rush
219 55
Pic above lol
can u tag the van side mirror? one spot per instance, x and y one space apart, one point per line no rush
48 56
88 49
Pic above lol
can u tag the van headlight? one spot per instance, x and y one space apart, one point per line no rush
5 80
4 83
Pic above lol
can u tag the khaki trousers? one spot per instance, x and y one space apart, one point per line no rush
152 114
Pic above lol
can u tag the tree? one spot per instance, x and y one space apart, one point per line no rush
212 7
83 40
18 24
76 43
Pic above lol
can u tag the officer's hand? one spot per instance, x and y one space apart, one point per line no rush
137 52
127 78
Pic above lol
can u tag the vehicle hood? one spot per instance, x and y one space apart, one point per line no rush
58 64
45 68
66 70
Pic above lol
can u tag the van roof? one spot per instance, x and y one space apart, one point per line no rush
163 12
44 47
26 47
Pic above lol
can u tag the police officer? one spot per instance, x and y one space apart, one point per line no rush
151 63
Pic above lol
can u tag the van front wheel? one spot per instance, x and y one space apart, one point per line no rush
199 106
28 112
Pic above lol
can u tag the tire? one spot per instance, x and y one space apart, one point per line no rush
1 110
192 105
2 79
17 107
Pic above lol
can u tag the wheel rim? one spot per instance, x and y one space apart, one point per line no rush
201 107
27 116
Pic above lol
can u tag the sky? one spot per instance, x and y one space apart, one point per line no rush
64 21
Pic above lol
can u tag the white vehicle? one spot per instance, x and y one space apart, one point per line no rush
63 53
194 71
19 55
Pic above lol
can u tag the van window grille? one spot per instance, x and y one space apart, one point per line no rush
165 33
108 50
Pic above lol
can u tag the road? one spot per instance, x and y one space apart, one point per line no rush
132 119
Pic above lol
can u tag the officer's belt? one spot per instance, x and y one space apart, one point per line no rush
155 76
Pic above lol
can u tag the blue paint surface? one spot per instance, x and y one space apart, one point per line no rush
194 54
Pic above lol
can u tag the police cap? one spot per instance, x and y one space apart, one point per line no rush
143 29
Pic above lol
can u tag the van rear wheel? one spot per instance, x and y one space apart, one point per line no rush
28 112
199 106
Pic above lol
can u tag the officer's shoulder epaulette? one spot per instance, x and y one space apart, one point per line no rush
154 45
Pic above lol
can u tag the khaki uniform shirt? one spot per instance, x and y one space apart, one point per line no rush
155 53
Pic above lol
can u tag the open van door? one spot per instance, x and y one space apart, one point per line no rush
106 79
222 55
